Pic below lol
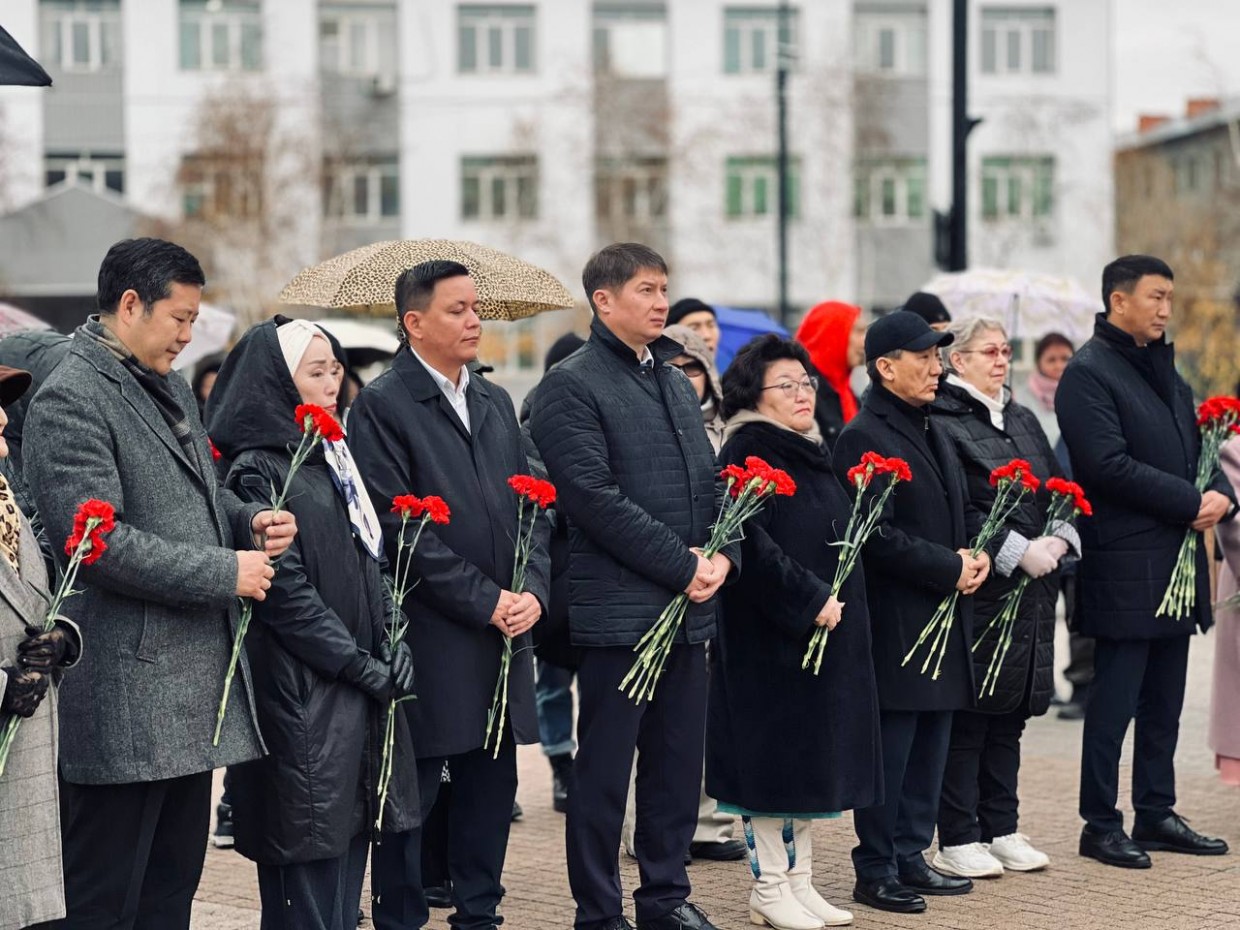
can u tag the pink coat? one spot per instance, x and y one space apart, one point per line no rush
1225 705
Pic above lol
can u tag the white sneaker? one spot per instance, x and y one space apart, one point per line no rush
1015 853
969 861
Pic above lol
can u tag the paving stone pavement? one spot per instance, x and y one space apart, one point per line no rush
1179 893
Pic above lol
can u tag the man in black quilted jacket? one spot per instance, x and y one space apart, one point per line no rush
621 434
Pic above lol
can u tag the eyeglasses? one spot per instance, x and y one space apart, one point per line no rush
790 388
991 352
692 369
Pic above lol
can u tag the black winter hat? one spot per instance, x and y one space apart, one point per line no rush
927 306
686 305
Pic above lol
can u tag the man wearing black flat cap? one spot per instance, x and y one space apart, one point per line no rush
930 308
919 556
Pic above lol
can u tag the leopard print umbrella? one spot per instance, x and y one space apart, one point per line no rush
364 279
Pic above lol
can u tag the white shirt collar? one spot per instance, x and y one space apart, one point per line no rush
444 384
646 356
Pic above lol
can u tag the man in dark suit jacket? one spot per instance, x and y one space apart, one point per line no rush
621 434
918 557
430 426
1128 421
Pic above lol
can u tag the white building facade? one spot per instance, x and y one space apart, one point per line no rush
551 127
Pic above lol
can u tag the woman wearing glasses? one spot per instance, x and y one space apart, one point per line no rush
974 409
786 747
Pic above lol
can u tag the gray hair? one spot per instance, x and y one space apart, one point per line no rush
966 331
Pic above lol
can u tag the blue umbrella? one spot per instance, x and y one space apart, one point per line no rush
736 327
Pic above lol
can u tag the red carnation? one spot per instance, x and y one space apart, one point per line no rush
313 417
437 509
784 485
216 455
736 479
859 476
543 494
898 467
92 520
408 506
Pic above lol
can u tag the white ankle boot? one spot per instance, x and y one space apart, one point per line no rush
799 878
772 903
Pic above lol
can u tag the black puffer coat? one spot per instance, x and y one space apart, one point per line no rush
1128 419
979 448
780 739
636 477
315 791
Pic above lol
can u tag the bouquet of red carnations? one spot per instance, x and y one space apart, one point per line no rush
93 520
1218 418
748 489
316 425
540 495
1067 503
862 524
425 510
1012 482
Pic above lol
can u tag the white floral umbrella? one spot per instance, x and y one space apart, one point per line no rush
1029 304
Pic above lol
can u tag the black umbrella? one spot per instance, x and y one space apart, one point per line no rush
16 67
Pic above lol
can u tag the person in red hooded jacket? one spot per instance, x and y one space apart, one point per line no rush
834 335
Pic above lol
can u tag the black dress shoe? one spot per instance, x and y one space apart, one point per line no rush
1073 710
1113 848
927 881
686 917
438 895
616 923
887 894
1172 834
727 851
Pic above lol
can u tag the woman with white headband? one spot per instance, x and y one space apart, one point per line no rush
321 673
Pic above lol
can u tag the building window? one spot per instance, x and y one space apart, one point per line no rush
501 188
753 187
751 39
215 187
495 39
1018 40
82 35
631 190
890 191
891 43
362 193
1018 188
630 39
96 170
221 35
357 41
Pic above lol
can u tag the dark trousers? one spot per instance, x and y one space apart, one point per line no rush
319 895
435 840
479 817
670 733
892 836
1141 679
979 784
133 853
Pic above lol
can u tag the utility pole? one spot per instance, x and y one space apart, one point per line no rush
781 103
956 245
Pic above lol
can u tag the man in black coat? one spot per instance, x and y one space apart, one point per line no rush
918 557
1130 427
622 437
430 426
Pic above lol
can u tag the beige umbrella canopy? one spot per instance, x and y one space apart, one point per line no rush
365 279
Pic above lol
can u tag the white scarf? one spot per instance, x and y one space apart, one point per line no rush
993 406
362 516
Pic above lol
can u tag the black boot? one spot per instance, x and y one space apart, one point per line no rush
222 838
561 780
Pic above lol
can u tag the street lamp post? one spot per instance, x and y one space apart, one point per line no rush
781 103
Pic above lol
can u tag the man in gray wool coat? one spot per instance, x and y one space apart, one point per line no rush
159 608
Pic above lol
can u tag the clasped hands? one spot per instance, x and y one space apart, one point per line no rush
710 575
973 571
515 613
37 655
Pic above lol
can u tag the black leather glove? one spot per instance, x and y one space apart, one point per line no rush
42 652
402 668
23 691
374 676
